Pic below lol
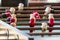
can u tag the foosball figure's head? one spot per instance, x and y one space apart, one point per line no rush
32 16
12 10
20 6
48 10
44 24
52 10
50 16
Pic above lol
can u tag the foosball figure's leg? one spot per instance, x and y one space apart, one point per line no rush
50 30
45 16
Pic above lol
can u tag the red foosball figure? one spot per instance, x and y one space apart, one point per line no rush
13 20
6 14
36 14
32 22
51 21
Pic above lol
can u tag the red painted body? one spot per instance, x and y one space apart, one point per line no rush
51 23
31 23
12 20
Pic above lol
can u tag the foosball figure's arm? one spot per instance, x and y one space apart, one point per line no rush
6 14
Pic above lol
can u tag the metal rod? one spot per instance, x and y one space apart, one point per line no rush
45 33
7 34
17 37
39 28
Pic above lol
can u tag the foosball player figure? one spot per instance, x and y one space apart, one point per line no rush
12 20
47 11
36 14
6 14
44 27
51 21
20 7
32 22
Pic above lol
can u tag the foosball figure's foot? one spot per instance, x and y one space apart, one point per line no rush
42 35
13 24
31 31
49 35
